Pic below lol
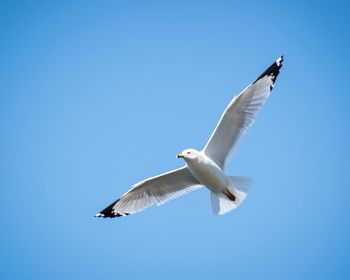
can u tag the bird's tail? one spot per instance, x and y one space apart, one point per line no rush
232 197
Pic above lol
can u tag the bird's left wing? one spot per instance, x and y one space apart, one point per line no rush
155 190
239 115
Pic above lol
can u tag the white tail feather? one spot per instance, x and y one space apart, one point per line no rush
239 187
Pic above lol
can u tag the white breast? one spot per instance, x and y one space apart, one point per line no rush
208 173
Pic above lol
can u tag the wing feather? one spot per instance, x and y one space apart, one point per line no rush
152 191
240 114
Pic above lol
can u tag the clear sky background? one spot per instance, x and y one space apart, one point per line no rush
97 95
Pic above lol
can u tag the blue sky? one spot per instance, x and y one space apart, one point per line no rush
97 95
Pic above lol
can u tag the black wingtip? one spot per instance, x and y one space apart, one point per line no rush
273 70
108 212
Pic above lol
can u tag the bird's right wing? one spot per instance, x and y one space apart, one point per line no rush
240 114
156 190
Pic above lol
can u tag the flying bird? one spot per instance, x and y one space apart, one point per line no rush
205 168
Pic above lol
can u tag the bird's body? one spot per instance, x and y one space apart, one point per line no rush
205 167
206 171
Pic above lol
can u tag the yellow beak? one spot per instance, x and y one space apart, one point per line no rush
179 156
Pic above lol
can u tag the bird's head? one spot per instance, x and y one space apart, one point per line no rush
189 154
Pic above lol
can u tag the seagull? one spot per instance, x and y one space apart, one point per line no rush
205 168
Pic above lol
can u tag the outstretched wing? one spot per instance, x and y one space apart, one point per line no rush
156 190
239 115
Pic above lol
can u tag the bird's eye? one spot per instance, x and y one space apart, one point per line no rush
188 153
